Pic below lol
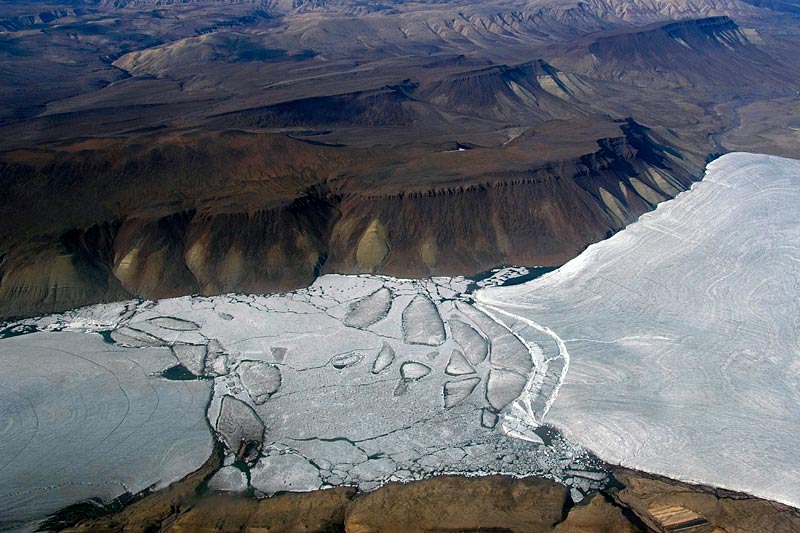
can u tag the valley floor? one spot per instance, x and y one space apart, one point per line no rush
670 348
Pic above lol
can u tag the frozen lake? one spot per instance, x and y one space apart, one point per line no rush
356 380
83 419
672 347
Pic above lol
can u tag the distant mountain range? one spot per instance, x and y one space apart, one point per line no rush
158 148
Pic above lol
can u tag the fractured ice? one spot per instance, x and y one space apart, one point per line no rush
456 392
422 323
191 356
671 347
345 360
503 387
475 346
283 472
369 309
240 427
356 380
458 364
412 371
384 360
228 479
260 379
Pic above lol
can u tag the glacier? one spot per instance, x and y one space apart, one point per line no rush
683 333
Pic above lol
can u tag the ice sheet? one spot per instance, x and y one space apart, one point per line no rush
682 333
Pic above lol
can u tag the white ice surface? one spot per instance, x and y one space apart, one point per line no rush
671 347
228 479
343 383
80 418
682 333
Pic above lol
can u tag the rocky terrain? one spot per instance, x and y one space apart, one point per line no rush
152 149
158 149
448 503
255 224
363 380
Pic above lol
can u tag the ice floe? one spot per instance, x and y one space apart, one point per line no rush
285 472
384 360
475 346
422 323
260 379
457 391
458 364
80 419
229 479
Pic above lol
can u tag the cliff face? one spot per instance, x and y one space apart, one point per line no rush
285 159
543 216
207 240
22 22
711 56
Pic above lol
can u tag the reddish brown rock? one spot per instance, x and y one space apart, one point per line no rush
596 515
460 504
732 512
322 510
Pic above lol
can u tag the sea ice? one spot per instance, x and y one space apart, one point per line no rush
134 338
346 360
456 392
228 479
384 360
488 419
475 346
240 426
458 364
369 309
412 370
285 472
85 419
261 380
175 324
422 323
192 356
503 387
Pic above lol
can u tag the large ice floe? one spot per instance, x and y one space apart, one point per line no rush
683 333
671 347
82 419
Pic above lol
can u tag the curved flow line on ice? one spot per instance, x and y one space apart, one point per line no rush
525 397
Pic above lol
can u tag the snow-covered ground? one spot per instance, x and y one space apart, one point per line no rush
683 333
671 347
